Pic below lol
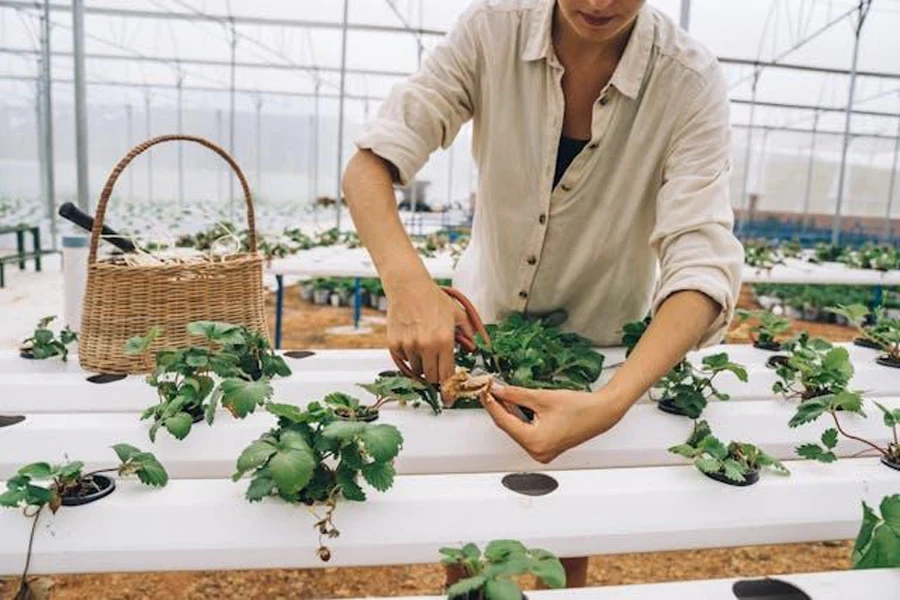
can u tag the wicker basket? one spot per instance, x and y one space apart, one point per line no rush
124 301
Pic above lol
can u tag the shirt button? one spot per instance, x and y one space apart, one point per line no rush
594 146
532 260
523 294
542 219
565 188
604 100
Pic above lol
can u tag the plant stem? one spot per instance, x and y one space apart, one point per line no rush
837 424
97 472
30 544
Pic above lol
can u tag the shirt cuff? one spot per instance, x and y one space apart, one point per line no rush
711 282
399 145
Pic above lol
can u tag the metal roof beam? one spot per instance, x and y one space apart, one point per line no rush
813 107
876 136
798 67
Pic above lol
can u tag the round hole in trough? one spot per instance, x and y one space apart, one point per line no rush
7 420
767 589
530 484
104 487
390 374
298 354
106 377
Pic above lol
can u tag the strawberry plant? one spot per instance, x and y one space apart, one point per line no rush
535 353
767 329
312 457
401 389
69 486
761 254
233 369
878 542
686 389
846 402
488 576
738 463
814 367
633 332
884 334
44 344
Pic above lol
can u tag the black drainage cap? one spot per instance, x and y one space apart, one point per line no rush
530 484
106 377
298 354
7 420
767 589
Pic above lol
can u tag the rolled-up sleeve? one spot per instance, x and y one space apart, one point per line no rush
692 235
427 110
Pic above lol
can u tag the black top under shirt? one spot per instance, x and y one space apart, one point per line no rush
565 154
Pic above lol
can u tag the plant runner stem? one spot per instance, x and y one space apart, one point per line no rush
853 437
23 582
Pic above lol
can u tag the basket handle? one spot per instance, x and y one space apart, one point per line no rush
140 149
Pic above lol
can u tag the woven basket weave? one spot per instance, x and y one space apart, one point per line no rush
123 301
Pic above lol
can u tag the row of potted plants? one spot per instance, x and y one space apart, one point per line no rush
809 302
765 254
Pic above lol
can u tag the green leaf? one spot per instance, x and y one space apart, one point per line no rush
471 552
179 425
71 470
847 401
548 569
139 345
351 457
500 550
684 450
39 470
12 498
878 542
343 431
891 417
830 438
890 512
502 589
254 456
383 442
734 470
125 451
712 446
462 587
288 412
260 487
242 397
222 333
346 479
379 475
709 465
291 469
810 410
149 470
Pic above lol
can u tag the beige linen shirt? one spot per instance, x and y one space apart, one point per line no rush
642 212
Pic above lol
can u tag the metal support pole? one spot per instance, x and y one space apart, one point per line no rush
148 125
180 148
341 101
129 142
315 155
219 162
890 198
864 6
748 154
685 21
809 173
46 102
258 145
39 124
81 133
231 120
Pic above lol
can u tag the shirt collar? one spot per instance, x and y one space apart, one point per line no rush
629 73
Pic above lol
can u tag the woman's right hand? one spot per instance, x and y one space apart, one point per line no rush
421 328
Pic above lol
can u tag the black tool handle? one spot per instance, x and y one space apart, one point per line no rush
72 213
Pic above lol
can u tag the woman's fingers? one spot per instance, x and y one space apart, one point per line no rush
518 396
517 429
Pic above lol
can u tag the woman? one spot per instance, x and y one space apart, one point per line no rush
601 135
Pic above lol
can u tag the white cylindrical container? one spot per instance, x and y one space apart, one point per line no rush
74 260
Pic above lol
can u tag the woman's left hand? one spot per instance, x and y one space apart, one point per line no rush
562 420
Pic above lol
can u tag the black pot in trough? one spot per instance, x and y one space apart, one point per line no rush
749 479
106 377
668 406
866 343
767 589
530 484
8 420
25 353
888 463
92 488
779 360
769 346
299 354
365 416
390 374
887 361
479 595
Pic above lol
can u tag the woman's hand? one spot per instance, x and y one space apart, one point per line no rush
421 327
562 420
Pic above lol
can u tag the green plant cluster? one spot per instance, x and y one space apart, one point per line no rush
819 297
401 389
878 543
768 328
490 574
689 388
884 332
312 457
233 368
814 367
735 461
536 353
43 343
762 254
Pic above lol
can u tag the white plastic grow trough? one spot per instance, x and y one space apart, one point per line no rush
870 584
35 388
828 274
206 524
464 441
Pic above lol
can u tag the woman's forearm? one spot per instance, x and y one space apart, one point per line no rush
677 326
368 187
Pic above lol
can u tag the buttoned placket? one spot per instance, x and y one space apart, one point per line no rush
601 114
